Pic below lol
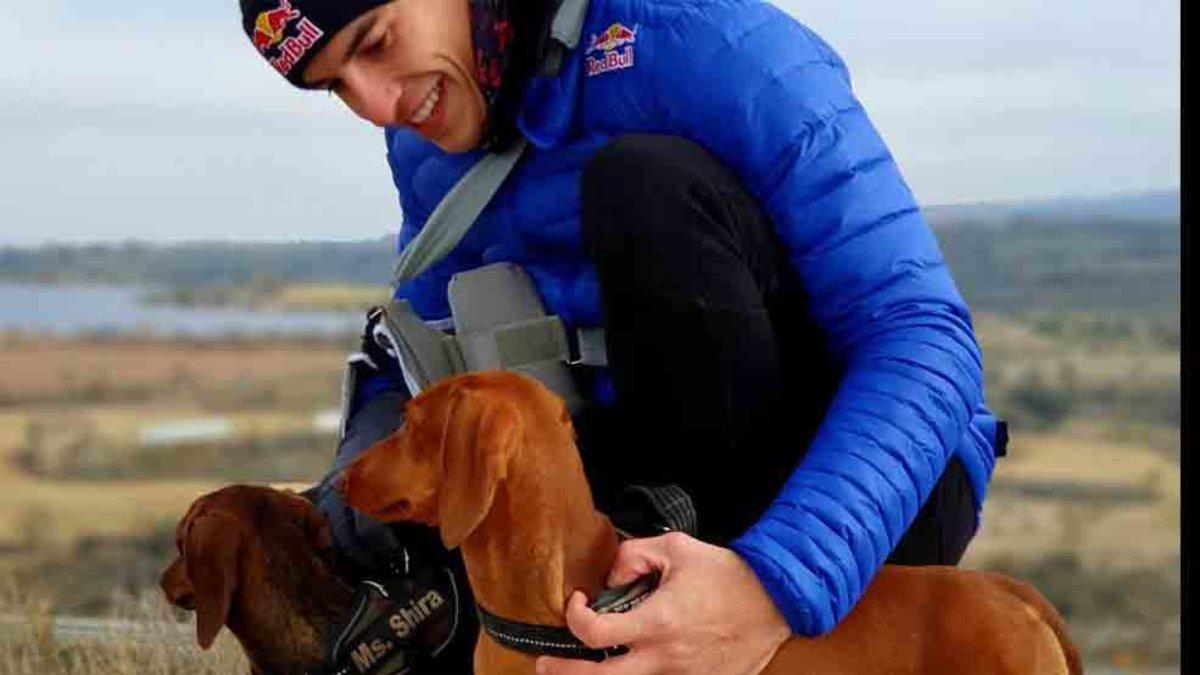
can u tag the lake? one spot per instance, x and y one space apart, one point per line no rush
67 309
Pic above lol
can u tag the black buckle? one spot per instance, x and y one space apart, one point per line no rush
1001 442
574 353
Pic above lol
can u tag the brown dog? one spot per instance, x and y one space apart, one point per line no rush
489 459
256 559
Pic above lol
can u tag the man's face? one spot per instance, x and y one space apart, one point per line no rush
408 63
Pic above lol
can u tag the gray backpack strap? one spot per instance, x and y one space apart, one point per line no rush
565 29
567 25
501 324
455 214
425 355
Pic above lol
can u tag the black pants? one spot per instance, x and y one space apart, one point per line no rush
722 378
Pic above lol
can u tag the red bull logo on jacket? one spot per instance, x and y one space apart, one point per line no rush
270 37
608 44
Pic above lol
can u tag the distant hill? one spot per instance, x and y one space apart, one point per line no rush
1117 253
197 264
1159 206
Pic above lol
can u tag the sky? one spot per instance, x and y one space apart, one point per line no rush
157 121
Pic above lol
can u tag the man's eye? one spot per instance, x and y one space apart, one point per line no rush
375 46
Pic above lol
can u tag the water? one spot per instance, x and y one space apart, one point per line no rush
68 309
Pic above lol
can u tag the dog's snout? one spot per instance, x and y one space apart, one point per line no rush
185 600
176 587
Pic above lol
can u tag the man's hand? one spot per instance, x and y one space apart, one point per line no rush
709 615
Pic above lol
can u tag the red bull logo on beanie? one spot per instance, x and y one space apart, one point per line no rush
283 52
269 26
608 44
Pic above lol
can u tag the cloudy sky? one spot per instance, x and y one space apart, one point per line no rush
127 119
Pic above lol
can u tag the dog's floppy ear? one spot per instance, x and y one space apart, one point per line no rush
477 442
319 531
311 520
211 559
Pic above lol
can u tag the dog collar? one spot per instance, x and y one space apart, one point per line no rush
540 640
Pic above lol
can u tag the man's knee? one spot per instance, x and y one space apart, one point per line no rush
646 189
643 165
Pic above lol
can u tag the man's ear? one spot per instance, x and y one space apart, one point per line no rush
478 440
211 559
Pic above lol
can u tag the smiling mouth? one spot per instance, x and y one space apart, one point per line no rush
425 110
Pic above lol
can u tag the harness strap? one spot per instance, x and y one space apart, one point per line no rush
644 511
501 322
564 34
455 214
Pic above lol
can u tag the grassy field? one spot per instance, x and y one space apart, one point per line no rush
1093 404
66 371
266 390
329 296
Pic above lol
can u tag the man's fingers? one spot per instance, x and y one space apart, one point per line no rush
637 558
606 630
633 663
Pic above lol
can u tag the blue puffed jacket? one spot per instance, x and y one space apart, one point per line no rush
773 101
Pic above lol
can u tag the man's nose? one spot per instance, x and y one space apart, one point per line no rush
370 96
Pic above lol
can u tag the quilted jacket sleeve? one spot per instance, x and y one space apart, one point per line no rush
775 104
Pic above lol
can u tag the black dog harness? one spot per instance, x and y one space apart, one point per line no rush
399 626
391 633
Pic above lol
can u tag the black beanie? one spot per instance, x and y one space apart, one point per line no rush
288 33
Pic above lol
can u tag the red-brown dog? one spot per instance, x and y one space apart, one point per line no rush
490 459
255 559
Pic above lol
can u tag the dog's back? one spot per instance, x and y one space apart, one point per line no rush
958 621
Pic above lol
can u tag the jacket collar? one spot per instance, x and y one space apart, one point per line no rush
549 110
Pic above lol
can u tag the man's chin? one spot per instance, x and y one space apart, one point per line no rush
458 144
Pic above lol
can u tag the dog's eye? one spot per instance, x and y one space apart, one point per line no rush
401 507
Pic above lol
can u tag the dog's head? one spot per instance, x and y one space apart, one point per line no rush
255 559
443 466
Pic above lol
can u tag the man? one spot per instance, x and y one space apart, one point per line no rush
696 177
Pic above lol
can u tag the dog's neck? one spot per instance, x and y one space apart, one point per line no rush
524 562
299 602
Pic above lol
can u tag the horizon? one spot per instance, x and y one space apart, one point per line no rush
1164 192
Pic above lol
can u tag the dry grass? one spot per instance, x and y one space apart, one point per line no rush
329 296
1069 454
1000 336
33 510
36 648
1013 349
45 367
1124 535
122 424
